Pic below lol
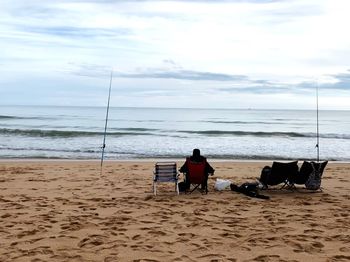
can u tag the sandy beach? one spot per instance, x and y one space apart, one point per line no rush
66 211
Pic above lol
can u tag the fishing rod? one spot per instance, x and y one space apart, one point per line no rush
105 132
317 127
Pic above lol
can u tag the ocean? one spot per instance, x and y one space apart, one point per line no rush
52 132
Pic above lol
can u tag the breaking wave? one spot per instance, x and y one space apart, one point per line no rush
264 134
65 133
157 132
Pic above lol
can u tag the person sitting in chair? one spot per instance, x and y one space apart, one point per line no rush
197 158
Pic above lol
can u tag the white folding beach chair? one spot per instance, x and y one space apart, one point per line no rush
165 172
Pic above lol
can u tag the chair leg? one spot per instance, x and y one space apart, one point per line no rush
288 185
292 187
177 187
195 187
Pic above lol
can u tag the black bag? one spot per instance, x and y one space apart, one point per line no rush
265 173
249 189
250 186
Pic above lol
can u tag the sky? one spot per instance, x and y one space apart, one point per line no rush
204 54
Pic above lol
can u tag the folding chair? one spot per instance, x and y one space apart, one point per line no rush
279 173
310 175
165 172
196 176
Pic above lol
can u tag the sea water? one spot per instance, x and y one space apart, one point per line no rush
133 133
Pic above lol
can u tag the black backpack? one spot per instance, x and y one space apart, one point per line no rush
264 176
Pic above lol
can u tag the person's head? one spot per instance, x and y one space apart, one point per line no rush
196 153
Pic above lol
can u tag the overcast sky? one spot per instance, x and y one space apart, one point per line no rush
222 54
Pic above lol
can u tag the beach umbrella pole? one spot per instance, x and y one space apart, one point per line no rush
106 122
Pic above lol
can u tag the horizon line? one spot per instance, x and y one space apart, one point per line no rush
198 108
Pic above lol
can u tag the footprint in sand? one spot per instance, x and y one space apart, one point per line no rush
340 258
227 235
27 233
145 260
6 215
213 257
136 237
313 248
189 235
156 233
316 231
72 226
265 258
111 259
344 214
345 249
92 241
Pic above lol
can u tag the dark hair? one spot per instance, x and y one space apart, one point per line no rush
196 153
